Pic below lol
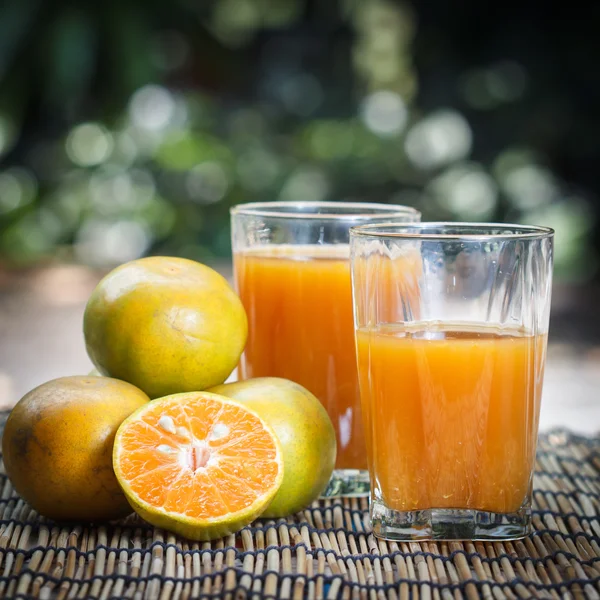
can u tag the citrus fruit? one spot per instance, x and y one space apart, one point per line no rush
166 325
304 430
197 464
58 443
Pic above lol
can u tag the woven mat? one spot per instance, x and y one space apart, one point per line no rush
327 551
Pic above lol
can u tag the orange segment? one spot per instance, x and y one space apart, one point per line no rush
198 464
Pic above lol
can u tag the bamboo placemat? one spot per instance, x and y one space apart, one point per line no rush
326 551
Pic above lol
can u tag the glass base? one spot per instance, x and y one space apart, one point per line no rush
348 482
448 524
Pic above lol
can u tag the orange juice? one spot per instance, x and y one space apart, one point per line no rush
451 413
299 305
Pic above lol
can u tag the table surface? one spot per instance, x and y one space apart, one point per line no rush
325 551
41 338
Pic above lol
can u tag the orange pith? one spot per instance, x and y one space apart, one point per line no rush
198 456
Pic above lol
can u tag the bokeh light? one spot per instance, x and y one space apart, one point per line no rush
381 56
465 192
258 169
438 139
125 149
305 184
18 188
89 144
384 113
234 22
152 108
207 183
107 243
529 186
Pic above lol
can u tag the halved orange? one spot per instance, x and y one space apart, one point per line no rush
197 464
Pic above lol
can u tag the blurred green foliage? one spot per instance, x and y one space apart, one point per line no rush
128 128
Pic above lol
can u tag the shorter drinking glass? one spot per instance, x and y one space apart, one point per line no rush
292 272
451 357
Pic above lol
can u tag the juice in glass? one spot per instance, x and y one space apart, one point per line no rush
460 403
300 327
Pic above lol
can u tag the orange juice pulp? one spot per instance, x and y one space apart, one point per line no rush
452 412
299 304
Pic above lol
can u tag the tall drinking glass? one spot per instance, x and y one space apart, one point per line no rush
451 359
292 272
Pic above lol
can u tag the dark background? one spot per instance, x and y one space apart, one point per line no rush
130 127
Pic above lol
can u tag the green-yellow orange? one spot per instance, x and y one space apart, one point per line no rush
58 444
166 325
304 430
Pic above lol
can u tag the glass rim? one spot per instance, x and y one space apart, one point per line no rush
507 231
269 209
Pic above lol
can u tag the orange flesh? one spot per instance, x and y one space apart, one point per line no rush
198 456
453 418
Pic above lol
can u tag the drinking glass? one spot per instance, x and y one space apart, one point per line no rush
451 354
292 272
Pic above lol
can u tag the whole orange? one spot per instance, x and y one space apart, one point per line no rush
166 325
58 443
304 430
